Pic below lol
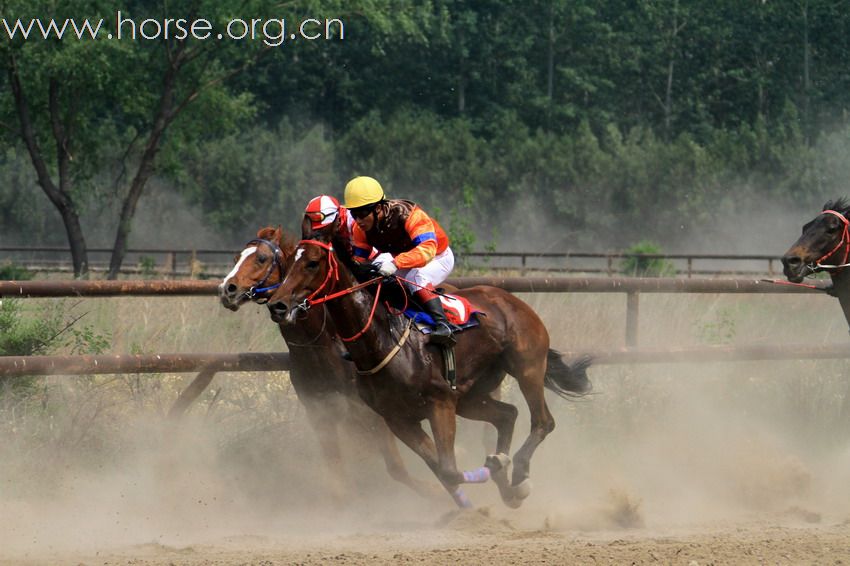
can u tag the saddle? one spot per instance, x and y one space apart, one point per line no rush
460 314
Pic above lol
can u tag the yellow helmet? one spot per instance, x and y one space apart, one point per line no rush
362 191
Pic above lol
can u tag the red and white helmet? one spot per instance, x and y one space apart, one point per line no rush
322 211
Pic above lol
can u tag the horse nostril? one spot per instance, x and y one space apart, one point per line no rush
792 261
231 288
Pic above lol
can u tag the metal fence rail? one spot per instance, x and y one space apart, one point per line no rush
16 366
512 284
631 286
146 363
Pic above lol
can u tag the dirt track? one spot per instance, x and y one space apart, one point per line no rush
472 538
743 463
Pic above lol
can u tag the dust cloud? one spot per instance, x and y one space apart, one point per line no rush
655 451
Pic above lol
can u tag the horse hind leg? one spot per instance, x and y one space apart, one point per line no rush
503 418
542 423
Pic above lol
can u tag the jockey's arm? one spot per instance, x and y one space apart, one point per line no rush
362 251
423 234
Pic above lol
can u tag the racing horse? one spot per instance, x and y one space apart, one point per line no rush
400 375
323 381
824 245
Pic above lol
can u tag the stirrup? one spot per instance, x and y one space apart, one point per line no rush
442 333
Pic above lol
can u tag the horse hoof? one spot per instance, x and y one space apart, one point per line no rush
522 489
497 462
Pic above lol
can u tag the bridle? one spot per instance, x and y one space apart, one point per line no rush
845 242
331 278
257 292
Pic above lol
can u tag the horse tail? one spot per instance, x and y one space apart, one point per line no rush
567 380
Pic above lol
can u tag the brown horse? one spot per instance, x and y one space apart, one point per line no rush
824 245
323 381
400 374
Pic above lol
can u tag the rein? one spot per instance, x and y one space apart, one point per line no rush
333 270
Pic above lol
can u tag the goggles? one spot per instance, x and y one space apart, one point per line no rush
361 212
319 216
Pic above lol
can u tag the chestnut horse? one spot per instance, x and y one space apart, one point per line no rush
824 245
400 375
323 381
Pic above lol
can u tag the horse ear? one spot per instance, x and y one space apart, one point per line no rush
278 235
263 233
306 227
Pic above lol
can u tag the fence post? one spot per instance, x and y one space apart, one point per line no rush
690 267
770 267
610 266
632 312
170 263
522 269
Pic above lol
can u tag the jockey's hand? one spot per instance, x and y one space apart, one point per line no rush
385 268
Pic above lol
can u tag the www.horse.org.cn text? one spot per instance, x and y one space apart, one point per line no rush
273 32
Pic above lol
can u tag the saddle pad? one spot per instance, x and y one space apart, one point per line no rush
458 310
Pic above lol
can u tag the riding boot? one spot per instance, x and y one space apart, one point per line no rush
442 333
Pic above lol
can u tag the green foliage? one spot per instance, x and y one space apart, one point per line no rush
582 115
21 334
147 265
11 272
636 266
26 330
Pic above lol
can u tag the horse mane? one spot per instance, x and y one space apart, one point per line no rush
839 205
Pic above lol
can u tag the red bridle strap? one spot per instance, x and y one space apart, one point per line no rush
845 241
333 269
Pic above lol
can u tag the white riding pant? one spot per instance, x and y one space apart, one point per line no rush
434 272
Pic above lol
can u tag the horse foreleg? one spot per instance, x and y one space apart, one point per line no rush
410 432
192 392
324 424
395 465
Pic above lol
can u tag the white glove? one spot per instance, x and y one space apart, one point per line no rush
387 268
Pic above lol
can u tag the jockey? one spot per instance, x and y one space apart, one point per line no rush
411 244
323 210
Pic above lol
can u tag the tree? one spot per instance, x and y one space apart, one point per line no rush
94 105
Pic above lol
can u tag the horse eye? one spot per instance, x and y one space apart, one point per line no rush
261 258
312 264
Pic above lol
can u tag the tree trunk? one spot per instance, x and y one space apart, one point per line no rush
163 118
60 196
550 61
807 81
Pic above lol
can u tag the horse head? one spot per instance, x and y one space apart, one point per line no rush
314 273
258 270
823 245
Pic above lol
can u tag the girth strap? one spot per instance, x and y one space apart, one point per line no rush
449 365
392 353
